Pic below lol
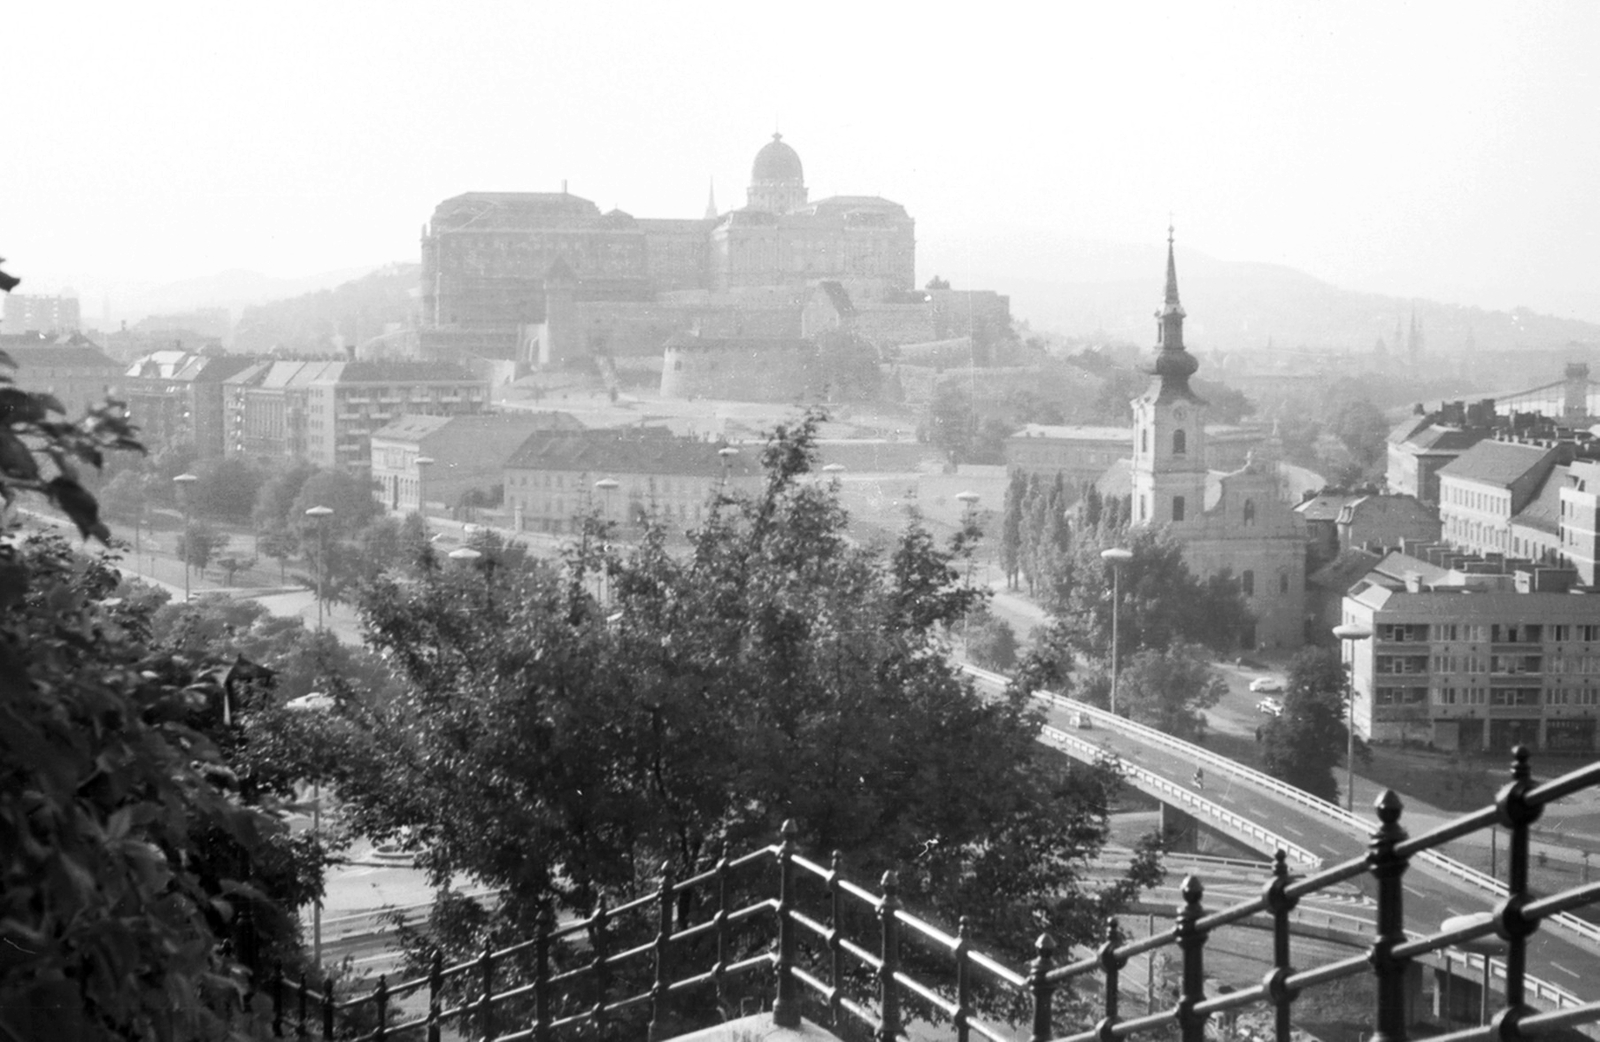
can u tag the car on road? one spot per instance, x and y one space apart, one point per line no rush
1266 686
1270 706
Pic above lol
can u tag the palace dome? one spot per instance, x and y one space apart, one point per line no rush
777 162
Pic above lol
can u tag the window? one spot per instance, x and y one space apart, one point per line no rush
1144 440
1283 582
1179 443
1249 511
1247 583
1177 505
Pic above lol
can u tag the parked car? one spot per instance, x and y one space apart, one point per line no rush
1270 706
1266 686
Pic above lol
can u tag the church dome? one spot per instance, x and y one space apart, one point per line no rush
776 162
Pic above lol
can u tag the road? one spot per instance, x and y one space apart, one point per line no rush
1430 896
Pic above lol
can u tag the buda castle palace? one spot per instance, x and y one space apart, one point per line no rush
546 278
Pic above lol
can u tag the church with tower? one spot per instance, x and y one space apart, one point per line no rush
1228 523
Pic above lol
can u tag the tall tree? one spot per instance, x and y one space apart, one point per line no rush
1169 689
562 735
1304 743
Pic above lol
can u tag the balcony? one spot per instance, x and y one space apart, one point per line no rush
837 951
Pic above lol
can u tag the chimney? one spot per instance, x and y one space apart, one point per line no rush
1413 582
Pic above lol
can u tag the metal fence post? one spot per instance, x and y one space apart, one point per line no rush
301 1029
327 1011
541 976
1110 964
963 980
836 938
1044 947
380 1002
486 970
1518 817
786 1010
1280 904
597 940
1387 867
1192 943
657 1030
889 951
435 986
277 1002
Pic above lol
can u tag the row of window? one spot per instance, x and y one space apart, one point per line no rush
1494 633
1473 499
1494 696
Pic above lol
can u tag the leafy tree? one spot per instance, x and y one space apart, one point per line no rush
198 544
1169 689
1162 601
127 495
135 864
349 496
232 565
275 500
281 544
227 489
990 640
563 748
1304 743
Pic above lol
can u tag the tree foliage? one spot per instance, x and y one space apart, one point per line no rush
1169 689
1304 743
562 734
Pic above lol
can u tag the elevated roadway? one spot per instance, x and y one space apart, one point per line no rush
1265 813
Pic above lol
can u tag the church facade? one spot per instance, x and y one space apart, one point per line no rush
1230 523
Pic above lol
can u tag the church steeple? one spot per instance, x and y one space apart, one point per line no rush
711 200
1174 365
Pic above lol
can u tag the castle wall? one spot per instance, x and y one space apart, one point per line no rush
752 371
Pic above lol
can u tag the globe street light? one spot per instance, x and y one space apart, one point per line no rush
315 702
1348 634
1116 557
183 481
321 514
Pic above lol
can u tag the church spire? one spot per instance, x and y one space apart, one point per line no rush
1174 365
711 200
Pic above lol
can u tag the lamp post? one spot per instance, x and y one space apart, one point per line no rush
1348 634
1116 557
315 702
606 486
183 481
727 452
969 502
321 514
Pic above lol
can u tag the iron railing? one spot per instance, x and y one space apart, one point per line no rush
815 906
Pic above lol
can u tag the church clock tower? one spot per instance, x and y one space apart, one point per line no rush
1169 434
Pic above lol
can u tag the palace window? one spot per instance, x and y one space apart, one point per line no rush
1247 583
1177 505
1179 443
1249 512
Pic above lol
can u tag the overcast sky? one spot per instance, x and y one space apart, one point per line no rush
1448 150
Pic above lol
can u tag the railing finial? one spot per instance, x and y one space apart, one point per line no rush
1044 948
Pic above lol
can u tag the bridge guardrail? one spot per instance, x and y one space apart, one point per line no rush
1442 862
1198 804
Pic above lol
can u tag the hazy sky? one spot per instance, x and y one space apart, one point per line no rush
1447 149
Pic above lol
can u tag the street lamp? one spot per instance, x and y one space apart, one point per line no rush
1348 634
183 481
315 702
321 514
1116 557
606 486
969 500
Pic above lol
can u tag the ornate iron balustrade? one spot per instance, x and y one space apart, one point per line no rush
836 961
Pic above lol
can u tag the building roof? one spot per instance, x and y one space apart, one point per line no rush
1543 511
1346 569
1497 463
776 162
1441 439
58 357
414 427
1059 432
1325 506
633 451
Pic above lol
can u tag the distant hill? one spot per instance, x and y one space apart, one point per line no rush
235 290
1113 289
315 323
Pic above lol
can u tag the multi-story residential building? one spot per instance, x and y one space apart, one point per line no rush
433 461
1578 519
327 411
176 397
69 366
1475 653
551 480
25 313
1487 486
